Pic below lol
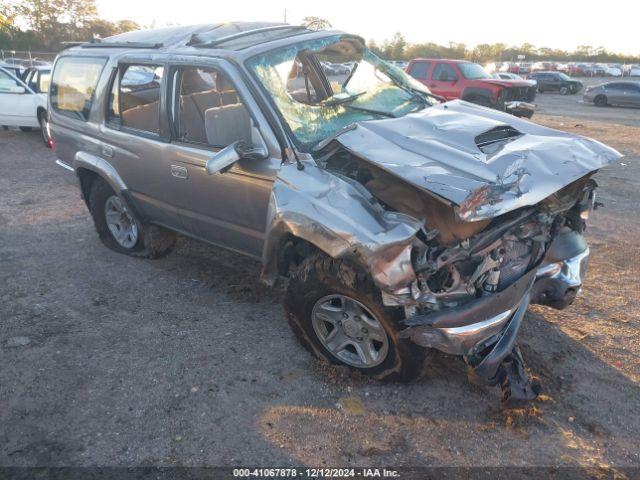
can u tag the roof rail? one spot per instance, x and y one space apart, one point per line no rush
72 44
99 44
220 40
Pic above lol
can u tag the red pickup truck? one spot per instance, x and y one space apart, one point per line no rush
468 81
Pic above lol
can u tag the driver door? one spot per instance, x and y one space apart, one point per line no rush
211 109
17 102
443 81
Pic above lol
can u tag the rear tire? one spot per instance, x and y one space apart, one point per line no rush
600 101
142 240
319 278
42 120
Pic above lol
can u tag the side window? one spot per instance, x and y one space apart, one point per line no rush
8 84
134 101
44 79
419 70
208 109
444 73
73 84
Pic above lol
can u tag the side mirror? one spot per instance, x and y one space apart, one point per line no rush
229 155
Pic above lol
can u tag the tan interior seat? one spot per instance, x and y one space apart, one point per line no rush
192 117
227 124
143 117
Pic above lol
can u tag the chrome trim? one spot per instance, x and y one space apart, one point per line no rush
64 165
475 328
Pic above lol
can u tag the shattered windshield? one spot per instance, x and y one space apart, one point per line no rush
322 86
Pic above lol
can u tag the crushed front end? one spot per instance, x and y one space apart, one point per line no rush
460 215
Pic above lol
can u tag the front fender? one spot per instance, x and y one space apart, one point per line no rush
339 217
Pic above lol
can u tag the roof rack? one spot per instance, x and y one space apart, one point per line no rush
234 36
99 44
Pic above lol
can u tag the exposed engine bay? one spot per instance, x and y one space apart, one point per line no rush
461 264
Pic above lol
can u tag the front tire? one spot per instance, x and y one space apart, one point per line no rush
336 312
120 231
564 90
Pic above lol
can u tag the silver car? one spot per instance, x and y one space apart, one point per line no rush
624 94
397 224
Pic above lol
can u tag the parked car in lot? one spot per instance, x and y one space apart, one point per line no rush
614 71
16 70
556 82
21 106
626 94
507 76
468 81
398 223
38 78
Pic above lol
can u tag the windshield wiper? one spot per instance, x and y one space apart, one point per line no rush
372 111
341 99
414 92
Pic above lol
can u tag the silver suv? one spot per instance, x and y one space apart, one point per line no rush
398 224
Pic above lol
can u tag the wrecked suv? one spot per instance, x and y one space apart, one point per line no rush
398 224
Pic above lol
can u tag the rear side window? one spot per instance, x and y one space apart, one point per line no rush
135 98
419 70
73 85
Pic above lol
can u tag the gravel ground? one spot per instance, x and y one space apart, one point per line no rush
109 360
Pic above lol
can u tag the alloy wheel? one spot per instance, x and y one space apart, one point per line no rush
349 331
121 224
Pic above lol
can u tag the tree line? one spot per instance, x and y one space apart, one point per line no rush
42 25
397 48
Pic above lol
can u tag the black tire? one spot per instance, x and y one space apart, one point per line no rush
153 241
600 101
26 129
42 120
318 276
565 90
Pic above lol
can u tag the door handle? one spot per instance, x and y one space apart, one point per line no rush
107 151
179 172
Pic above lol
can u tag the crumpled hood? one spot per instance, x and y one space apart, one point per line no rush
435 150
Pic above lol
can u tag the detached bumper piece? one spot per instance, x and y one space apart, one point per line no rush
488 345
520 109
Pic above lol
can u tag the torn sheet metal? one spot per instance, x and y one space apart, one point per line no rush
342 219
435 150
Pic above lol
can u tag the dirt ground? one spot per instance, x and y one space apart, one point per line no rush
109 360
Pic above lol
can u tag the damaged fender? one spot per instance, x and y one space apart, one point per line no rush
343 220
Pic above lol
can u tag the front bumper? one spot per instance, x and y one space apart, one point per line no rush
484 330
